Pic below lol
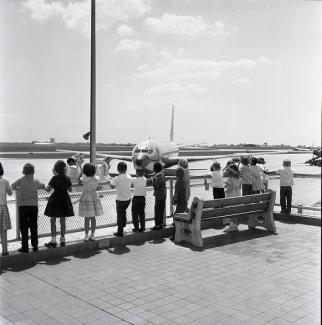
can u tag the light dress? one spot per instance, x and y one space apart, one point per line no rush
258 184
89 203
5 222
232 186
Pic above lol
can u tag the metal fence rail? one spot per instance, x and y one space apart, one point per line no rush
306 196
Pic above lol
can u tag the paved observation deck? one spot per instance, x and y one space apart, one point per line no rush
249 277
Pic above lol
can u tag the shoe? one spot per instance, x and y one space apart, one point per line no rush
86 238
92 237
23 250
156 228
231 228
62 244
135 229
35 249
5 254
117 234
51 244
141 230
282 211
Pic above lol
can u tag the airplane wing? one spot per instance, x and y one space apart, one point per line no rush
101 155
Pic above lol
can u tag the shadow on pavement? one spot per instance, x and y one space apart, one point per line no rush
228 238
17 268
54 261
86 254
119 250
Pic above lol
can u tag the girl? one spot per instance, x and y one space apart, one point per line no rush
5 223
90 205
258 185
59 204
179 197
232 189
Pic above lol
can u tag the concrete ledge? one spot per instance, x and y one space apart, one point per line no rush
77 247
298 218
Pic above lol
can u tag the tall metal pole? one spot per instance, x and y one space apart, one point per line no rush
93 87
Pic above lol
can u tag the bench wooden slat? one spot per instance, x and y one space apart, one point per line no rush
219 203
222 212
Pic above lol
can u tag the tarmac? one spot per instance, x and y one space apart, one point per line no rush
248 277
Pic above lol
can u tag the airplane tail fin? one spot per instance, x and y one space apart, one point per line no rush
172 125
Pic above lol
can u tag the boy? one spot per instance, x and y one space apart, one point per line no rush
160 194
217 181
27 200
286 183
138 201
122 183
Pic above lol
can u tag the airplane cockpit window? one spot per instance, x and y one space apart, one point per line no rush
137 150
150 151
145 150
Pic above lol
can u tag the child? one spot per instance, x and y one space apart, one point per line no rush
5 222
262 165
73 170
59 204
89 204
232 189
138 201
160 194
179 197
27 200
258 185
246 176
122 183
183 163
286 183
217 181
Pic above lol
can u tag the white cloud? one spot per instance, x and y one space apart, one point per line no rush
132 46
175 89
186 69
185 25
267 60
76 15
125 30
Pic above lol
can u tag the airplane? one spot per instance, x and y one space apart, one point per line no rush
146 153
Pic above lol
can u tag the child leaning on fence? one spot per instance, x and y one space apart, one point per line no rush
5 222
138 201
122 184
232 189
217 181
160 195
286 183
89 204
27 201
59 204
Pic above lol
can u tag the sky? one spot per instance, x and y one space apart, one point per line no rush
237 71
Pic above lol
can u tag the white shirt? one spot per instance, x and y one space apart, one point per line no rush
122 184
286 176
217 179
139 186
4 190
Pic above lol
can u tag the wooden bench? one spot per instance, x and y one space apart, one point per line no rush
254 210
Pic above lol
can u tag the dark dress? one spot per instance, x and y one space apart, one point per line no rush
59 203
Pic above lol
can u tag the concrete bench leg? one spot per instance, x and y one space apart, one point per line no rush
266 221
196 239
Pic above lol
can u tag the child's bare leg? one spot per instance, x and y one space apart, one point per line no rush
4 245
93 224
86 225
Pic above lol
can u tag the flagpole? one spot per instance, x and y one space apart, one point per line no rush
93 87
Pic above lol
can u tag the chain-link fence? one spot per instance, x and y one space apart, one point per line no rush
306 193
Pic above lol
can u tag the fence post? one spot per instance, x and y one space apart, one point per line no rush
300 208
17 216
